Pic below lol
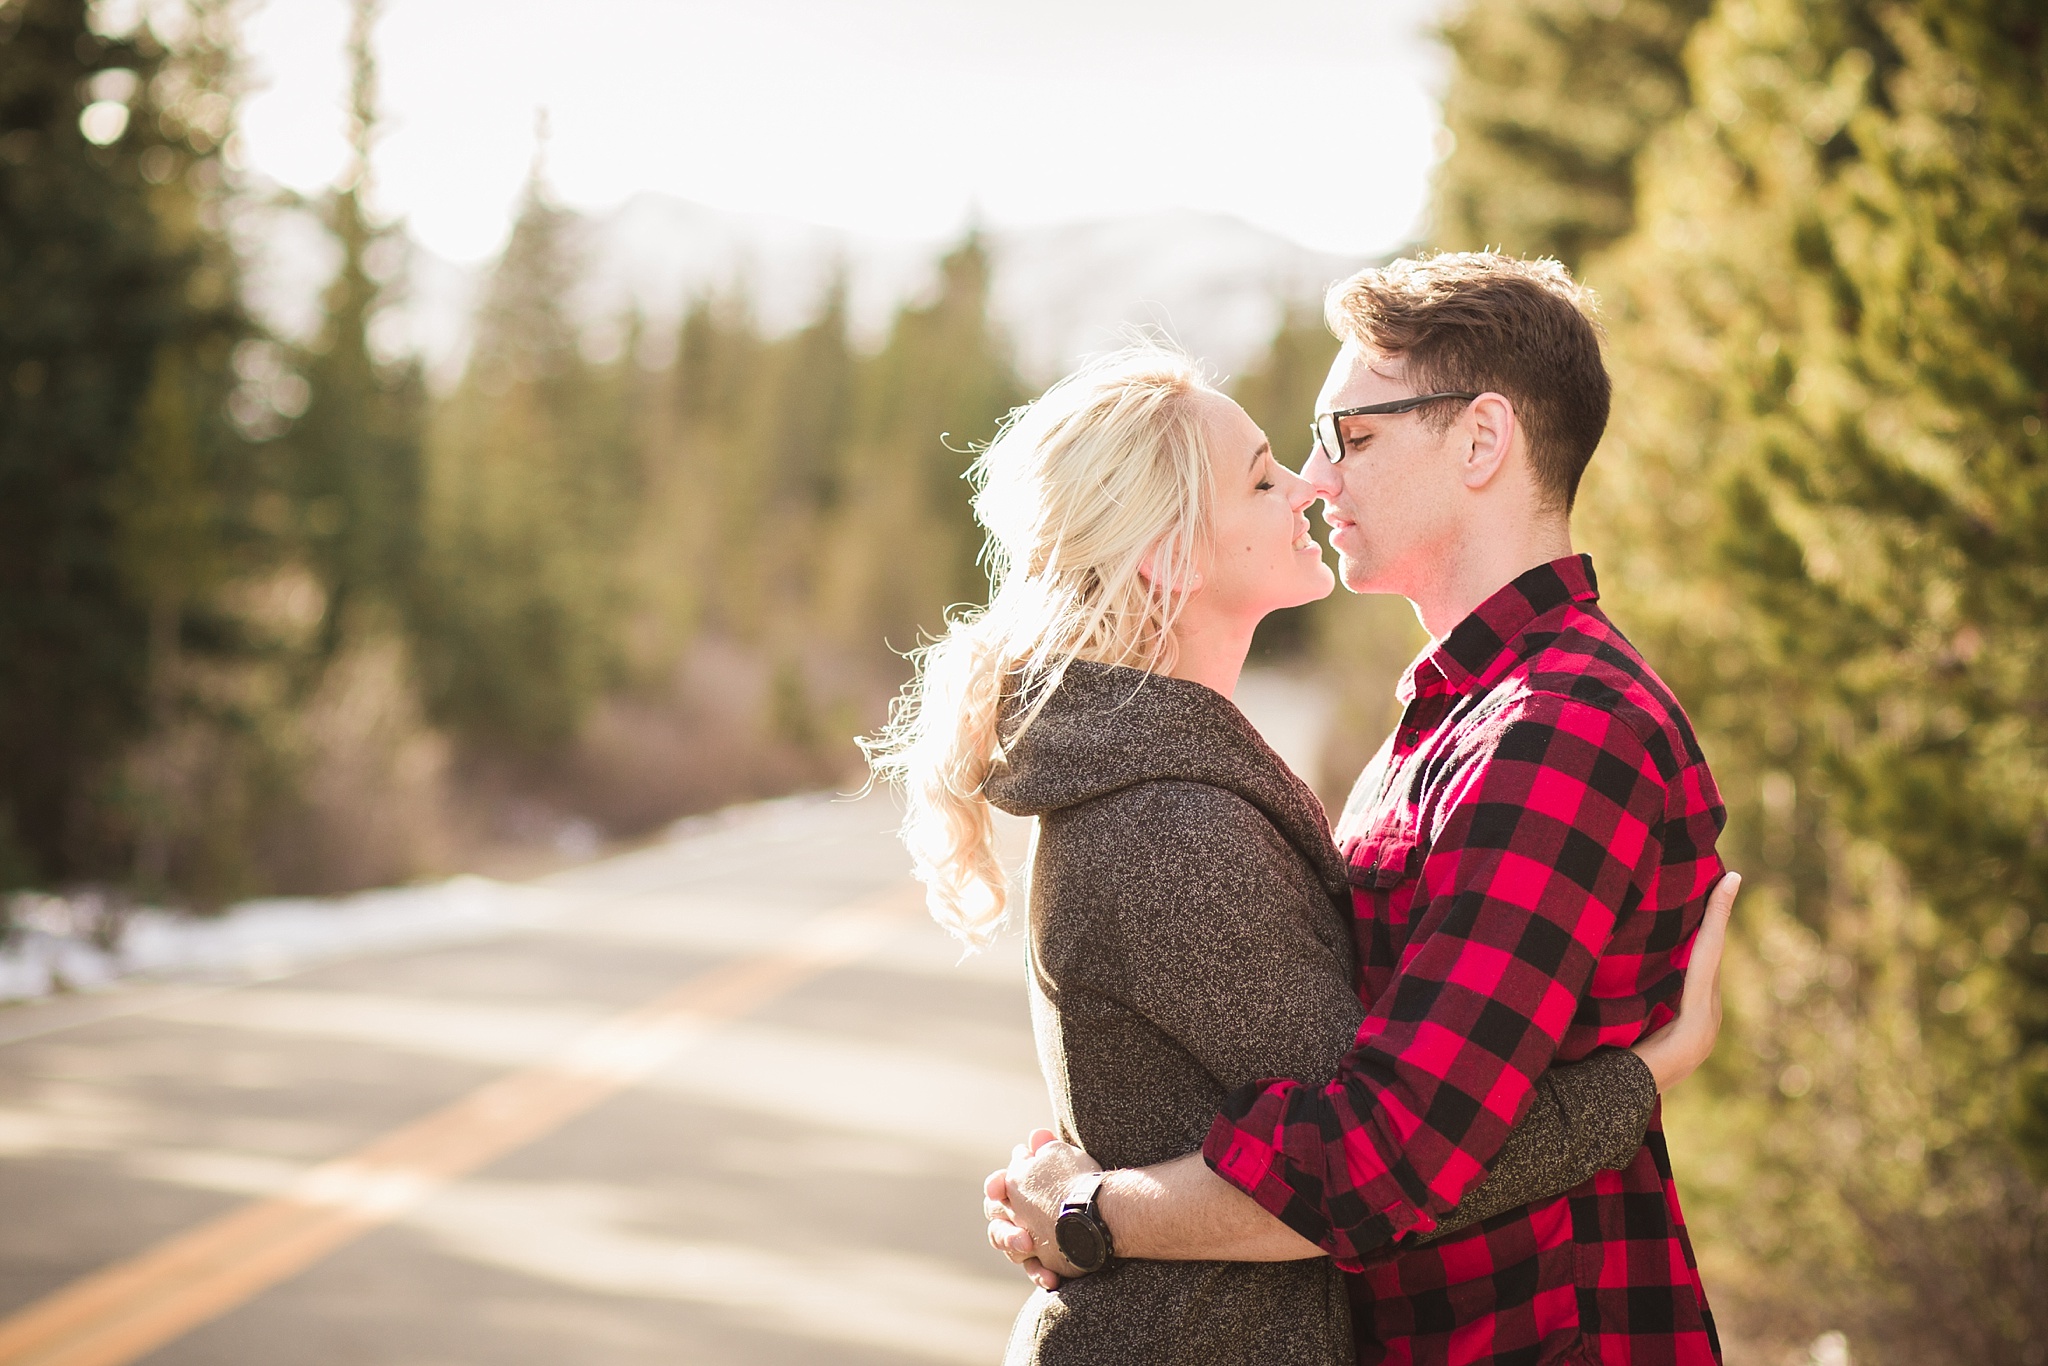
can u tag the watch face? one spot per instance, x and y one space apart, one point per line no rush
1081 1241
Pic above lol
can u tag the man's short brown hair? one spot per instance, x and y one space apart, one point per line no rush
1475 321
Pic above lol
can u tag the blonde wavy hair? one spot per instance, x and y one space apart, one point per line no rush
1096 502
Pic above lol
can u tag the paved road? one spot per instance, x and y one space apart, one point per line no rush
788 1176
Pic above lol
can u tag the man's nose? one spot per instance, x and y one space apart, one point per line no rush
1321 475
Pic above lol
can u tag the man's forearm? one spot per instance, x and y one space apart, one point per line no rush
1180 1211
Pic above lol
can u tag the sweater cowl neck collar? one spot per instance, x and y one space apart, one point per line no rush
1106 728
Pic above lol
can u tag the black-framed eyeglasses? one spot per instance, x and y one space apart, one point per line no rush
1329 430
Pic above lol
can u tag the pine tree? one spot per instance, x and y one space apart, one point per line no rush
123 491
1875 406
356 450
943 382
811 423
1909 440
1550 104
1825 496
725 492
199 510
813 415
1819 508
788 416
529 503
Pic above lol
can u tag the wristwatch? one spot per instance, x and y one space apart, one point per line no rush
1082 1235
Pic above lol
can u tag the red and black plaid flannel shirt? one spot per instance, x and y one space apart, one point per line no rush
1530 855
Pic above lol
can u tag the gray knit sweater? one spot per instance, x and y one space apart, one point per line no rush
1190 933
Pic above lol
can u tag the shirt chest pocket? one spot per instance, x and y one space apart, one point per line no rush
1385 873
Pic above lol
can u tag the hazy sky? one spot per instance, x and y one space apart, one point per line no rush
893 117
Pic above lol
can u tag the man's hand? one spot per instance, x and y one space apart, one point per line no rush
1022 1202
1673 1052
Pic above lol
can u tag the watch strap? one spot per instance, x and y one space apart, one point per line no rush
1082 1194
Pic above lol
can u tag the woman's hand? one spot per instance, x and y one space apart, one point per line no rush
1673 1052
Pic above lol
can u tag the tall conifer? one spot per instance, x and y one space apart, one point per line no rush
1824 492
941 384
1550 104
529 502
728 466
356 450
124 492
200 509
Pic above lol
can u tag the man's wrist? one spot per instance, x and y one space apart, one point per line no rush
1117 1201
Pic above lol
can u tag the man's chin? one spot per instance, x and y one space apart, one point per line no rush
1356 575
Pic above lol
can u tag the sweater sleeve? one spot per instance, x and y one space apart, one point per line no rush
1585 1117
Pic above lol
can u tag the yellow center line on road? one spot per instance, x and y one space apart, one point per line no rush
128 1310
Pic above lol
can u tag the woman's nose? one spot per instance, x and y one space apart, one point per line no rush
1301 492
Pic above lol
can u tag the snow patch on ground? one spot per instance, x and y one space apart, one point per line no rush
51 944
61 944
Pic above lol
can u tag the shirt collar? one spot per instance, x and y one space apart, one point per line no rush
1482 646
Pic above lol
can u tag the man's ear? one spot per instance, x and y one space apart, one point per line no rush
1489 427
1153 569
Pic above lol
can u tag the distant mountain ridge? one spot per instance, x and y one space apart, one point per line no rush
1214 283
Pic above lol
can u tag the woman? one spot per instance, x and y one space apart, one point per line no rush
1189 926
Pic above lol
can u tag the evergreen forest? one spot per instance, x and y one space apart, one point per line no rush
278 614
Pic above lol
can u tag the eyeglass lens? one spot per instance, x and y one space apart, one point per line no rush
1329 438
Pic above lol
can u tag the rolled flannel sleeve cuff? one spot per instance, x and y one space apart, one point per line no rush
1244 1147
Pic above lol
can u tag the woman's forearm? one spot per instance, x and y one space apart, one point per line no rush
1584 1117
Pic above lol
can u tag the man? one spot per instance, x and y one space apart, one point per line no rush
1529 854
